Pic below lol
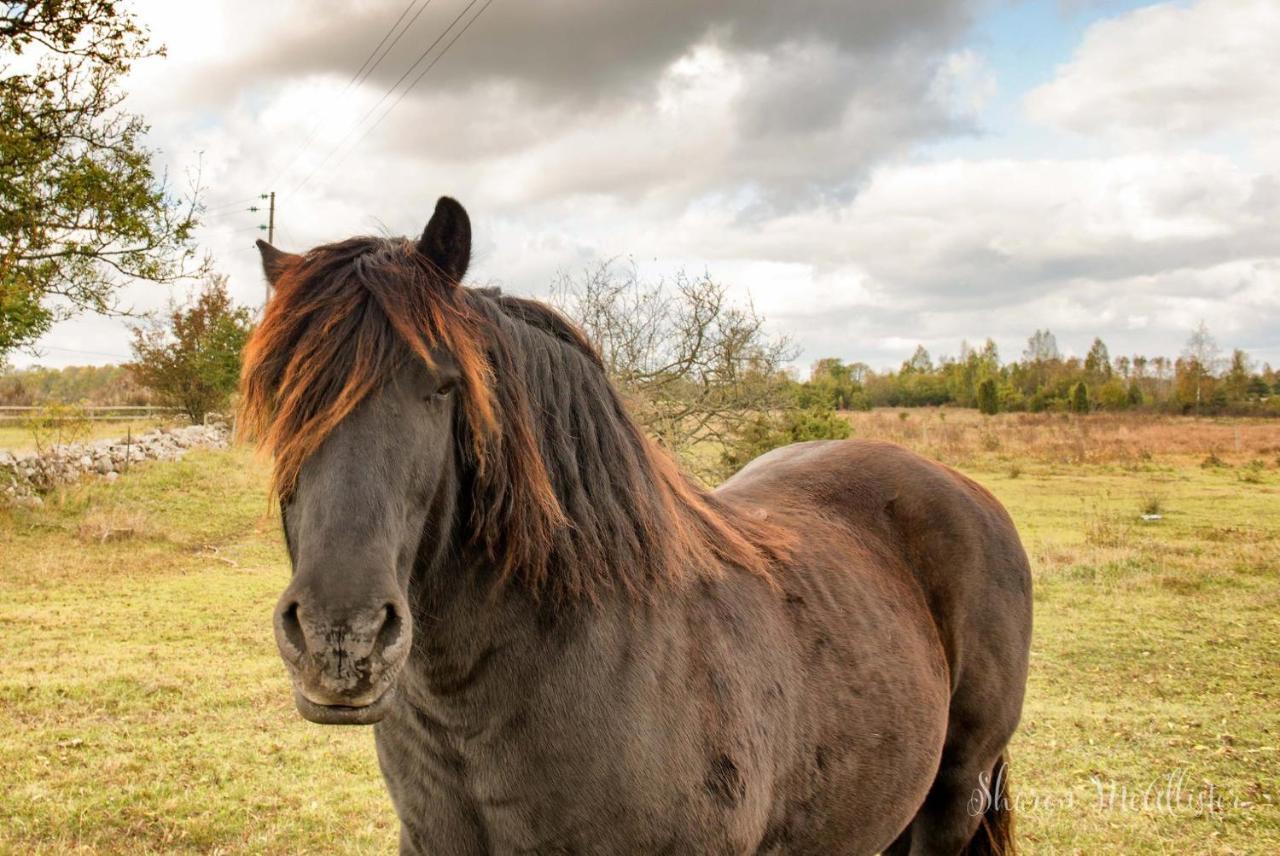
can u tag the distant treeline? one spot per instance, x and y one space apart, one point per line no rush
92 385
1200 381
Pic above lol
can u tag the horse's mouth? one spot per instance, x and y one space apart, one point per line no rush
340 714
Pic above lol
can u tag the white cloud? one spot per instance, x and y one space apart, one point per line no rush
780 151
1169 72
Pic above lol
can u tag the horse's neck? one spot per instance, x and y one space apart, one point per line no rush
470 644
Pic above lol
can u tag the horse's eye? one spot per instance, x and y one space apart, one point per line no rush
445 389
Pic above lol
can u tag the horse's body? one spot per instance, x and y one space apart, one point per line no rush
857 697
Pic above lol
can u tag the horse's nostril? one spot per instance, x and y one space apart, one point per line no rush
292 628
389 632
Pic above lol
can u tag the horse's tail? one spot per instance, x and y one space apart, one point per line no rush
995 834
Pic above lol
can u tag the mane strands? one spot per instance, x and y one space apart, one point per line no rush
567 496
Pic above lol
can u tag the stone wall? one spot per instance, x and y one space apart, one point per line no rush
24 477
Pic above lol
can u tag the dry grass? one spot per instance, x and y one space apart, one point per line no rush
965 437
145 710
18 439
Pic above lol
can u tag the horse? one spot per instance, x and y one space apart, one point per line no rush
564 644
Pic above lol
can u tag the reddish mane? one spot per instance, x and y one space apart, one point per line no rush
344 315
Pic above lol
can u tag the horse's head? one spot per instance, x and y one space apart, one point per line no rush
431 441
356 379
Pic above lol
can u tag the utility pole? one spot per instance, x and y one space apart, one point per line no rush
271 219
270 228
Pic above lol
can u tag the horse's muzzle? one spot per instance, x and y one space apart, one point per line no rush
343 665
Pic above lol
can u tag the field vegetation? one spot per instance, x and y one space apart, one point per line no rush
18 438
143 708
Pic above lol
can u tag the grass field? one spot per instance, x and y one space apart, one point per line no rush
18 439
143 708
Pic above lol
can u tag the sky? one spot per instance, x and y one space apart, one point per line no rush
869 174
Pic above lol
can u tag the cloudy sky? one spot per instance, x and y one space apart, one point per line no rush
873 174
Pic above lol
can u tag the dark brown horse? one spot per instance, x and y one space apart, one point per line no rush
567 647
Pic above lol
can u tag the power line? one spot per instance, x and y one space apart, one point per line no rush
365 69
224 216
357 76
406 29
77 351
430 66
396 85
220 207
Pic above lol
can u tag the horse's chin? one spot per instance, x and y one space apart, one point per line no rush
339 714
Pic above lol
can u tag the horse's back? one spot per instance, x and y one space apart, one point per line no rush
954 536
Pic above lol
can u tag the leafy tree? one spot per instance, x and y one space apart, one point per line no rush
81 209
988 402
1239 373
834 385
920 362
1097 364
1113 395
90 385
192 361
1080 398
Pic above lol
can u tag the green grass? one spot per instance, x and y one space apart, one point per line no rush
17 438
143 708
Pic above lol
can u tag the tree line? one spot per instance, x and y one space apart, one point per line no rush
1201 380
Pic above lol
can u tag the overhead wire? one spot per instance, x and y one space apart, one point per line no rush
361 75
423 74
422 56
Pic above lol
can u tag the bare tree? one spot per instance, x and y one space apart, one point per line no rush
695 368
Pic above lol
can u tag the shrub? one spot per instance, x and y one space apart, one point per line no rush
1080 398
988 400
769 431
58 425
192 360
1212 461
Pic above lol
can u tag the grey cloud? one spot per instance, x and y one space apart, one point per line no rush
828 87
566 49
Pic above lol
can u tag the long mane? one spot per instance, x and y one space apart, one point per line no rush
564 492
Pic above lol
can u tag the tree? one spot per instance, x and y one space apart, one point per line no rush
920 362
1080 398
1203 348
1239 373
1042 347
696 370
1194 373
192 361
1113 395
988 402
81 209
1097 364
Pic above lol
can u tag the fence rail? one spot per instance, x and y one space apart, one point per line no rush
94 413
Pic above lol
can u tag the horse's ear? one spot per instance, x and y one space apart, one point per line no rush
275 262
447 239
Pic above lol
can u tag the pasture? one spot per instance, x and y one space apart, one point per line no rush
144 709
17 438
